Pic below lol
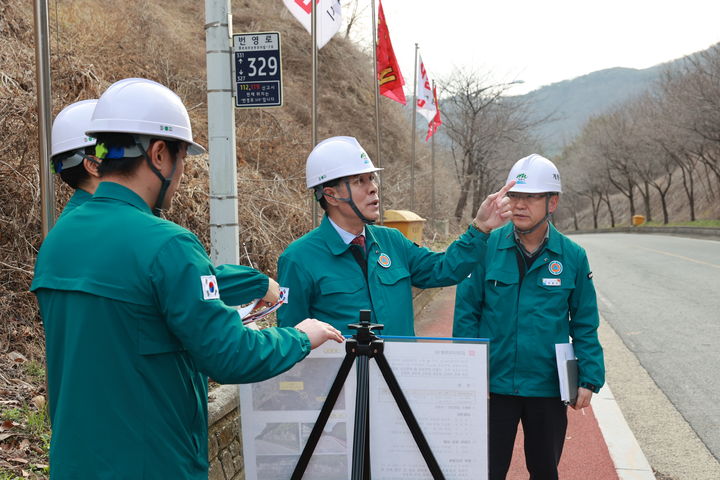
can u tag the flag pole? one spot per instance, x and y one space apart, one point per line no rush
377 108
412 129
432 173
313 22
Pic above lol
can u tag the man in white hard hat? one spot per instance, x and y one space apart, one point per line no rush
73 158
73 152
134 321
349 264
532 290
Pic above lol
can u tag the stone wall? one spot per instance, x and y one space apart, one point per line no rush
224 439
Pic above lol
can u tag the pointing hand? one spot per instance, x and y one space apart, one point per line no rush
495 211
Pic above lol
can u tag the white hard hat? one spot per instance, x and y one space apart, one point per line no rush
535 174
68 131
336 157
143 107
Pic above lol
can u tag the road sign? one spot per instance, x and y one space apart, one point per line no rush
257 70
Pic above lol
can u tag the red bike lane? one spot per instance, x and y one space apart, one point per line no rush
585 455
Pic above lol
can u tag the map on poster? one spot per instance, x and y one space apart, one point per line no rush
444 381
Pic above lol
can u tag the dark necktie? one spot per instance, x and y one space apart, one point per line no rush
360 241
359 252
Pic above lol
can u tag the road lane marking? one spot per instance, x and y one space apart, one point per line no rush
680 256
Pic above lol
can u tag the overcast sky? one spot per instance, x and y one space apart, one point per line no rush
542 42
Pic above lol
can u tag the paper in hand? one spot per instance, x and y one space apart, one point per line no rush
252 312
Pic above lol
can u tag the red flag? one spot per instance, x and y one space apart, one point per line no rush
436 121
390 80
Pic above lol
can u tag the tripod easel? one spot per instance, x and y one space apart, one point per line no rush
361 347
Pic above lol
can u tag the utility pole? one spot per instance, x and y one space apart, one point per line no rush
224 228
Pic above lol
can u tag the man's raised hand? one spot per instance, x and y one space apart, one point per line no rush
495 210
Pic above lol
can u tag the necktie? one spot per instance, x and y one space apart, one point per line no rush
360 241
359 252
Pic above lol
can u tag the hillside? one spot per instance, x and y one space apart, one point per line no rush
570 103
93 46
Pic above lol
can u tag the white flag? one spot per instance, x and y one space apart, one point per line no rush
328 14
425 99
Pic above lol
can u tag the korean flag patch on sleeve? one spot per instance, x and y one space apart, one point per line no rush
210 287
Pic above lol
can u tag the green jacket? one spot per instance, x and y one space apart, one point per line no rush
238 284
133 325
78 198
523 321
326 282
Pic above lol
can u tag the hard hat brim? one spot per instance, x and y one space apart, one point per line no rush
330 178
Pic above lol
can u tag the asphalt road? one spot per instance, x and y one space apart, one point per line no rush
661 294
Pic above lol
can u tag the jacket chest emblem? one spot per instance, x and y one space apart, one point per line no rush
555 267
384 260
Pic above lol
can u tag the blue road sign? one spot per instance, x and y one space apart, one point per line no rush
257 70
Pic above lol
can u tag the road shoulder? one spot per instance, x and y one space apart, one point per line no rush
668 441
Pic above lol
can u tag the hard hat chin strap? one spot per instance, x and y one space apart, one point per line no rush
349 201
541 222
165 182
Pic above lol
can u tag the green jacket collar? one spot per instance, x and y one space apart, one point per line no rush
507 238
335 243
119 192
81 196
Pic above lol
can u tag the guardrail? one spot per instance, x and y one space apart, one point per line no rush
712 233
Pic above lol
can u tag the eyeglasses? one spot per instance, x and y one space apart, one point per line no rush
528 197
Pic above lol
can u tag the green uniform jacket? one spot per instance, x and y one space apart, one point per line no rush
133 326
78 198
238 284
326 282
524 321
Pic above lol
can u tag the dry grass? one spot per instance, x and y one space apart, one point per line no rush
91 47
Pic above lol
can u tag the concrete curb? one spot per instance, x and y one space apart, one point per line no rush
628 457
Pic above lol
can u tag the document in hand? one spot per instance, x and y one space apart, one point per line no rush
251 312
567 372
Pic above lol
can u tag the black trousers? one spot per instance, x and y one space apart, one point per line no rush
544 422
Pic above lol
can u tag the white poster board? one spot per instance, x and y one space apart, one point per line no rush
445 383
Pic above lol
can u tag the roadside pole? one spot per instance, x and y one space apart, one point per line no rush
413 137
313 21
376 87
224 228
44 111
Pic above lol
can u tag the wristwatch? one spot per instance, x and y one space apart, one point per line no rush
593 388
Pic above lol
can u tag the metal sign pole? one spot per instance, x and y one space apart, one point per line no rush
412 138
376 87
432 162
313 21
44 105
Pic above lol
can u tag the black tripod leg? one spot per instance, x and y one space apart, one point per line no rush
362 397
323 416
408 416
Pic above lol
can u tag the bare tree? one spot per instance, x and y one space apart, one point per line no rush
478 119
583 171
353 11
